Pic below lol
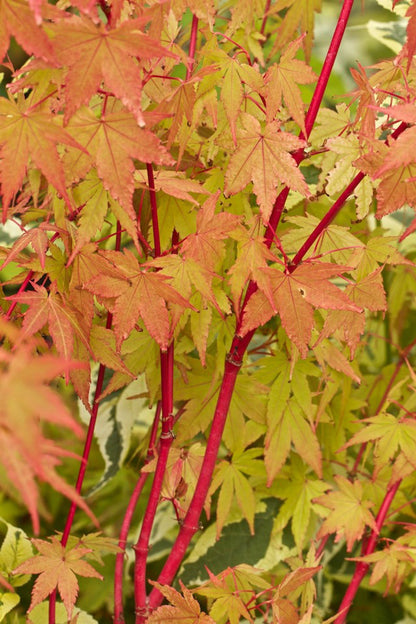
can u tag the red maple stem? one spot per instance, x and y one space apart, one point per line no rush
313 110
153 205
141 548
192 46
362 567
335 208
328 65
265 16
127 520
190 523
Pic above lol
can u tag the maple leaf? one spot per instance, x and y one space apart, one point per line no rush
293 296
37 237
389 434
17 19
395 562
233 483
263 157
57 567
252 257
27 402
282 82
284 610
206 246
236 78
27 132
231 590
113 141
286 429
298 490
48 308
173 183
299 12
411 33
95 53
394 164
138 293
349 513
184 609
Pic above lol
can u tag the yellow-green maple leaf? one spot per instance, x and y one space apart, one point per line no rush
349 512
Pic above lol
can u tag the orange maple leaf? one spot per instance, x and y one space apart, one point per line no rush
27 132
207 245
50 309
95 53
17 19
57 567
293 296
113 141
263 157
132 292
184 610
27 402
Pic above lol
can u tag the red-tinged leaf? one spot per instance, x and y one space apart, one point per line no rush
96 53
50 308
282 82
184 609
172 183
263 157
395 165
296 579
347 326
18 20
138 293
252 257
369 292
37 237
411 33
206 246
27 403
395 562
113 141
349 513
292 295
57 567
327 353
37 314
284 611
26 132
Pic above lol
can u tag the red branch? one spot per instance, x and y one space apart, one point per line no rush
166 437
362 567
127 520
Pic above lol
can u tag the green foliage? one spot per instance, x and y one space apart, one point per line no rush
208 313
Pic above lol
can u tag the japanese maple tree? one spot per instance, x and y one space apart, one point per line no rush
208 313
